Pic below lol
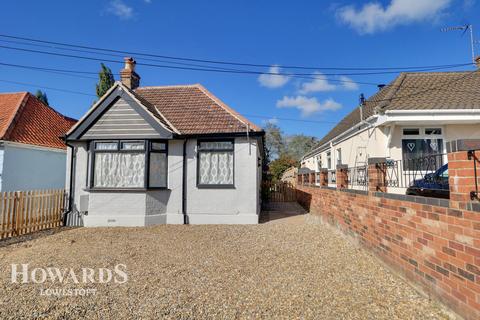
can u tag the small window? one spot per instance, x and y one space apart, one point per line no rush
433 131
329 160
132 145
411 132
339 156
159 146
106 145
216 145
215 163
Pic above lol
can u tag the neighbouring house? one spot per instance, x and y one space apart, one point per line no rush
290 175
32 153
412 117
166 154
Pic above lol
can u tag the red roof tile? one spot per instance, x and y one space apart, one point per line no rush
25 119
191 109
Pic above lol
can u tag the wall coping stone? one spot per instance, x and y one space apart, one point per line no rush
377 160
463 145
364 192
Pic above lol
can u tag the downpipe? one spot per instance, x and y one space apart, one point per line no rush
184 183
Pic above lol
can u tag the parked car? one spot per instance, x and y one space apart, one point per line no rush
434 184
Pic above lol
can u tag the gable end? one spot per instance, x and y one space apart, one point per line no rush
119 116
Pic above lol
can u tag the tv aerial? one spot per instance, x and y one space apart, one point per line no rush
465 28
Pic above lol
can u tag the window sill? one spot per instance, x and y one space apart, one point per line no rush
125 189
215 186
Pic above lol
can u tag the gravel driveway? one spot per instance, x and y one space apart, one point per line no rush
287 268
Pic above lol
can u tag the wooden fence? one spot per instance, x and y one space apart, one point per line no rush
23 212
280 191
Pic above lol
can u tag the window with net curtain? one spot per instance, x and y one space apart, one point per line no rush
122 164
215 163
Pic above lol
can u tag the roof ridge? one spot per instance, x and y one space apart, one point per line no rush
8 128
169 86
434 73
227 108
17 92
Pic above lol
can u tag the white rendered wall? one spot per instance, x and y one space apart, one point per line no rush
30 168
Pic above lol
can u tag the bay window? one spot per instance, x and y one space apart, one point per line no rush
215 163
128 164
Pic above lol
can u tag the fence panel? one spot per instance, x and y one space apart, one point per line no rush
280 191
23 212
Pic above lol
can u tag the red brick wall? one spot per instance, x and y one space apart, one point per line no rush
437 247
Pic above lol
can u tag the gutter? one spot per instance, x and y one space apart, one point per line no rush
344 135
184 183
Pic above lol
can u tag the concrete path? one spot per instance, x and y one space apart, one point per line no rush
282 212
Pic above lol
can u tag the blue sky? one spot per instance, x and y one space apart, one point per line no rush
393 33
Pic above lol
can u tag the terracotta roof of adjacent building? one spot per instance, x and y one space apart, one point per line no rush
191 110
417 91
25 119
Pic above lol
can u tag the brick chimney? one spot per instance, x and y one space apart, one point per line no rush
129 77
477 61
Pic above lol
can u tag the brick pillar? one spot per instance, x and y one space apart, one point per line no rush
323 177
342 176
461 171
311 178
377 174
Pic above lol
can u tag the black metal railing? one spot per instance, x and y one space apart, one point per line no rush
472 156
358 177
424 172
306 179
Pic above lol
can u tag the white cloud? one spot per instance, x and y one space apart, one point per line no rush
273 79
348 84
316 85
271 121
373 16
321 84
120 9
147 1
308 106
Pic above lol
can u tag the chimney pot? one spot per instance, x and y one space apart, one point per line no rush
128 76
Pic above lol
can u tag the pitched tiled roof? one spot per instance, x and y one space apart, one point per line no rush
9 105
417 91
25 119
191 109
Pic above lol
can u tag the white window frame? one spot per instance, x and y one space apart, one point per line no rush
422 135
